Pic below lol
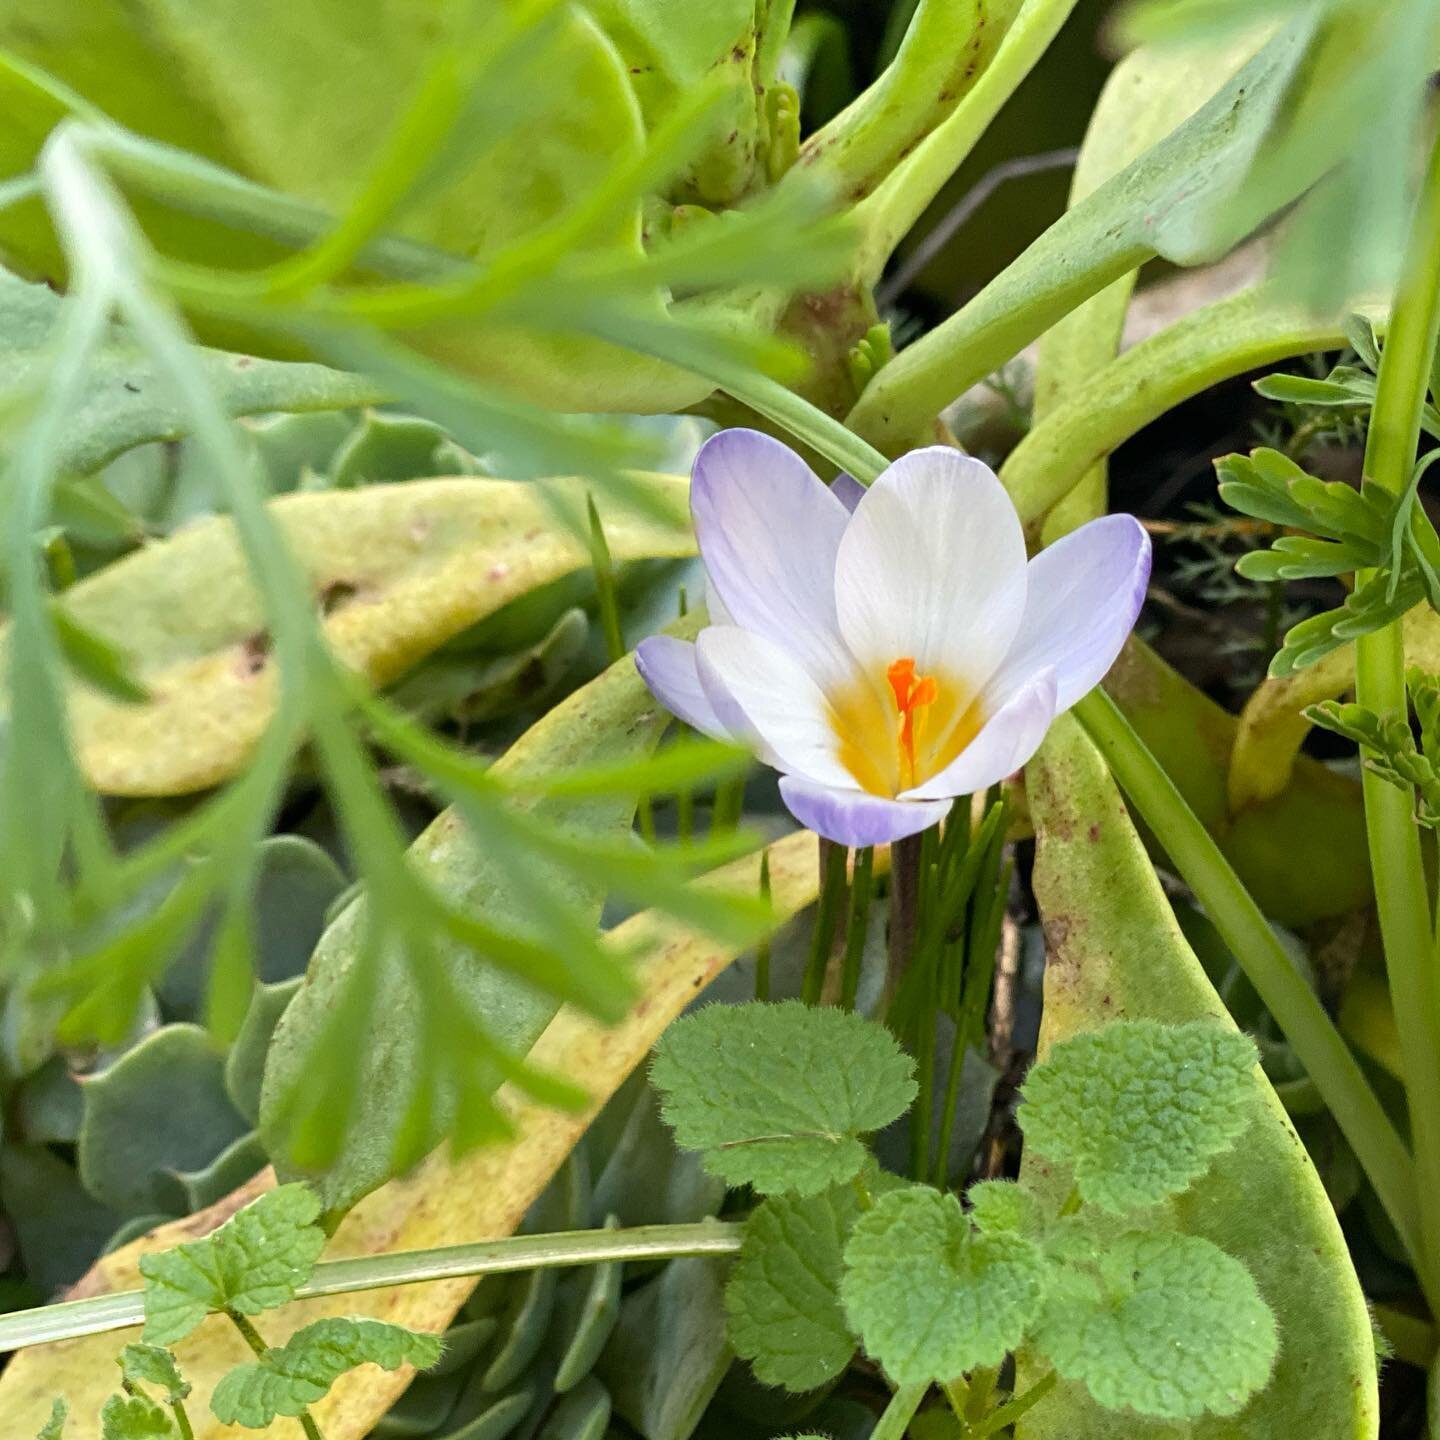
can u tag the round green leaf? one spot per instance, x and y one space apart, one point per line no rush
783 1299
777 1096
930 1297
1165 1324
1139 1109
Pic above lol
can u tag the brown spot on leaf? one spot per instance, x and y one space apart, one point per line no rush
336 595
254 653
1057 934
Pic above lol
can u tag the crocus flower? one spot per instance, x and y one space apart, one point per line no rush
887 649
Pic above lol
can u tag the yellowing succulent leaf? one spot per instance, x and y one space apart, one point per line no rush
483 1197
1116 952
396 570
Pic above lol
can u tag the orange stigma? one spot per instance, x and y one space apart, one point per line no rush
913 694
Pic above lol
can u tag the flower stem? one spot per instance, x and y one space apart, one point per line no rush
827 919
899 1412
862 887
126 1308
1317 1043
904 903
762 946
1401 894
807 422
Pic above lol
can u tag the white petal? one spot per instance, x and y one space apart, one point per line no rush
752 680
768 529
1083 597
932 566
1004 743
667 666
853 817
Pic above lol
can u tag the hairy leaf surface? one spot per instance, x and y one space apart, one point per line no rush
1116 952
777 1096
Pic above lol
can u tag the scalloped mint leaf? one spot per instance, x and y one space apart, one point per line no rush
287 1379
931 1297
134 1417
783 1299
54 1427
154 1365
777 1096
1003 1207
1164 1324
1139 1109
253 1262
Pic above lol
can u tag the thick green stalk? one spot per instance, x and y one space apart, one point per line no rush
899 1413
1242 332
902 197
948 47
805 421
1401 895
1287 996
72 1318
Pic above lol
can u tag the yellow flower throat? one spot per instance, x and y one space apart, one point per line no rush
894 734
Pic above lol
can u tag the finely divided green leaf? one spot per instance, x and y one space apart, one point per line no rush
1139 1109
931 1297
133 1417
1168 1325
287 1379
783 1298
254 1262
776 1096
153 1365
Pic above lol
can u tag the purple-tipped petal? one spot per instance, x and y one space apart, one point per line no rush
1004 743
768 529
757 688
847 490
932 566
855 817
667 666
1083 598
